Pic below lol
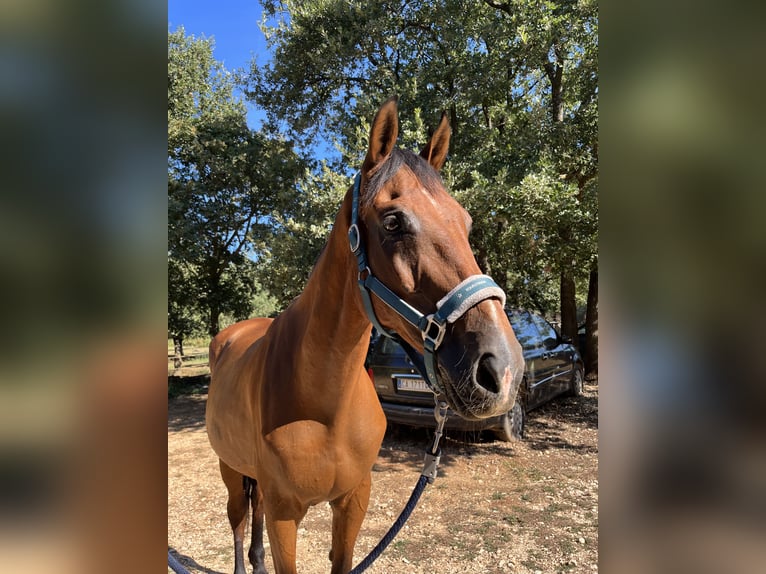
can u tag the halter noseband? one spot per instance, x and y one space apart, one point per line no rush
449 308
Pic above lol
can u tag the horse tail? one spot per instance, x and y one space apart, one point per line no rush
247 485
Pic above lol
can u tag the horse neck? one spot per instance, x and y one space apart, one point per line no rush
337 325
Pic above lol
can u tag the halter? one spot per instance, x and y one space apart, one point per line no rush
449 308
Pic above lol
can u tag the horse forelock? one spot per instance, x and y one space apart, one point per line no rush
427 175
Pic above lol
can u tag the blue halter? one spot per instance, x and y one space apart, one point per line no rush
449 309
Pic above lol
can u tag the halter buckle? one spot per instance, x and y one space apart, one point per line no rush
433 332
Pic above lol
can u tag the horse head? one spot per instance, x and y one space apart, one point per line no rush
416 238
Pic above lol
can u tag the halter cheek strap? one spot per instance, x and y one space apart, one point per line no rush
449 308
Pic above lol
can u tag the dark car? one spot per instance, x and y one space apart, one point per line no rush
553 367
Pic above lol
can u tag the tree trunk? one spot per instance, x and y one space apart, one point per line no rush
591 328
178 345
568 306
557 100
483 260
178 351
212 326
555 73
453 119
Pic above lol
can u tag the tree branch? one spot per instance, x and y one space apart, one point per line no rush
434 37
499 6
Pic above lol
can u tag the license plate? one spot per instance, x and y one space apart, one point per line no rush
412 385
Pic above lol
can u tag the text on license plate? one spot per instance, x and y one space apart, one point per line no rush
413 385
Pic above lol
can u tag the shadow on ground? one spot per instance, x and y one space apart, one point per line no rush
186 402
407 445
546 425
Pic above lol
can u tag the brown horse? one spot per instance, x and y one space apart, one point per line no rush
291 412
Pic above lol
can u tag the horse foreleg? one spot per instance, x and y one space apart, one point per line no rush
282 521
257 554
348 512
236 508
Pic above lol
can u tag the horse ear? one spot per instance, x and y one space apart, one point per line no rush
436 149
383 134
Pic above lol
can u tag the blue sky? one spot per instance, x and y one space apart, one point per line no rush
234 26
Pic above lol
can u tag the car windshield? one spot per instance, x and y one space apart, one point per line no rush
525 330
546 329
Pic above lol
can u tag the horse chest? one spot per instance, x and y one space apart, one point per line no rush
308 459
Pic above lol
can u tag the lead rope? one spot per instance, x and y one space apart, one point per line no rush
175 565
427 476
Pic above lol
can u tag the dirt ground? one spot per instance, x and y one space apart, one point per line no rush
523 507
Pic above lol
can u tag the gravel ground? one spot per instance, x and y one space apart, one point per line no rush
526 507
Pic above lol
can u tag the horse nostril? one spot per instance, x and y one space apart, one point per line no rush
488 373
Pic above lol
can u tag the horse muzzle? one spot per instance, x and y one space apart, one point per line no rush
480 371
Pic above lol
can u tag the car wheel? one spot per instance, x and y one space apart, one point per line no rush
512 424
577 382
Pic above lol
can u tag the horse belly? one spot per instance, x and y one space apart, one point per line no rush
232 424
237 449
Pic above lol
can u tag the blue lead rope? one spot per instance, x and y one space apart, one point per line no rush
426 477
395 528
175 565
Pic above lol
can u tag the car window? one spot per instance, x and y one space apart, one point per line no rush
546 329
526 331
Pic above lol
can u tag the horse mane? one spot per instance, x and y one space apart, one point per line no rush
429 177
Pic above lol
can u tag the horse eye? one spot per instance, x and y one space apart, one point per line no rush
391 223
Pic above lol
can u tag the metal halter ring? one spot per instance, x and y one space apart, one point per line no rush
435 339
354 238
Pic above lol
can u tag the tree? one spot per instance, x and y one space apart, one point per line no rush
182 316
299 235
519 80
565 49
225 184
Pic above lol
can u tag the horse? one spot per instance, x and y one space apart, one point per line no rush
291 412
